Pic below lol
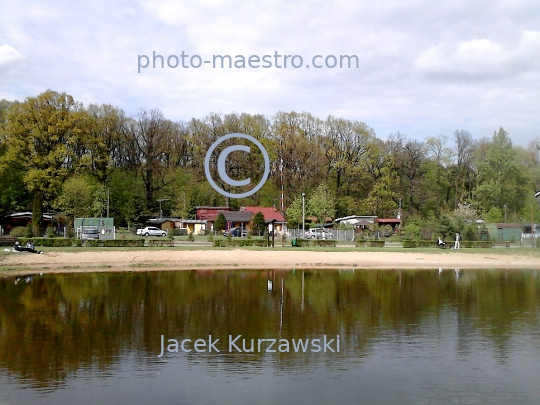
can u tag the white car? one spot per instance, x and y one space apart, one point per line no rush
319 233
151 231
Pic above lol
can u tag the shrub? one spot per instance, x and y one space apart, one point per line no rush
376 243
154 242
28 233
210 237
407 243
190 237
51 242
49 233
18 231
115 243
470 234
323 242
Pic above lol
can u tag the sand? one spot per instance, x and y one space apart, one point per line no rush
21 263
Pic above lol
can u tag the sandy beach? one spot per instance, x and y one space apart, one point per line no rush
256 259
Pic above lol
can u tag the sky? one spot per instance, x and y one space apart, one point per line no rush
424 69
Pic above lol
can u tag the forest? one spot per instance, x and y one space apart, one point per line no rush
57 155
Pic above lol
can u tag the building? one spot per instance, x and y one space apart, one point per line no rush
238 219
23 219
209 214
271 215
504 232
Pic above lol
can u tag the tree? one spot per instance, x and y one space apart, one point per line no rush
381 198
258 222
502 180
77 199
321 203
294 213
221 222
44 134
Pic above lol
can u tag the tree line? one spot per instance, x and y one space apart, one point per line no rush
57 155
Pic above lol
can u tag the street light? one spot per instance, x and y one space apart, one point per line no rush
504 213
160 211
303 215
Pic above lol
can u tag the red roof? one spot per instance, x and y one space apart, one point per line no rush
209 213
269 213
388 221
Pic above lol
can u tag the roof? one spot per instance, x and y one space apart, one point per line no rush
507 225
314 219
269 213
388 221
237 216
28 214
207 213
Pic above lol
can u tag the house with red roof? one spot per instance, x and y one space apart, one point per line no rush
270 214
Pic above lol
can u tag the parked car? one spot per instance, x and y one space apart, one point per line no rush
151 231
238 232
319 233
90 233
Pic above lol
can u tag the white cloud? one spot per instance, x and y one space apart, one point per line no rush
480 59
9 56
425 68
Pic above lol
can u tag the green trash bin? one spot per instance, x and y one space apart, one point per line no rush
293 242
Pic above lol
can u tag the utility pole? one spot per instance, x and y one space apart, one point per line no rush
160 211
532 227
303 215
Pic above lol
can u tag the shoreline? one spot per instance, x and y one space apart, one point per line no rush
164 260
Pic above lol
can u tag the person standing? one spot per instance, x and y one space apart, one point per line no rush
457 242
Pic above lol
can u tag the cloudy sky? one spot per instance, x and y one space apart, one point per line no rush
425 68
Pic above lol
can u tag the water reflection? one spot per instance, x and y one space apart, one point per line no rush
60 331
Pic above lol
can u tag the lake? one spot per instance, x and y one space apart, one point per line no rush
314 336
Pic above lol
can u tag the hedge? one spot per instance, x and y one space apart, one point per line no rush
463 244
239 242
361 242
114 243
51 242
154 242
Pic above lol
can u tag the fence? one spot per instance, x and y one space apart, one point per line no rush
338 234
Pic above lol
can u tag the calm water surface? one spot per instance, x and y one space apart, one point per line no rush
406 337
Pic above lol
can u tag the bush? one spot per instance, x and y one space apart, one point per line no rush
50 242
18 231
115 243
322 242
376 243
29 231
407 243
49 233
470 234
190 237
155 242
210 237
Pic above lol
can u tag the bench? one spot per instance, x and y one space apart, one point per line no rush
507 244
7 241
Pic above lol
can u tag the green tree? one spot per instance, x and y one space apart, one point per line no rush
321 203
44 134
77 199
258 222
381 198
221 222
294 213
502 180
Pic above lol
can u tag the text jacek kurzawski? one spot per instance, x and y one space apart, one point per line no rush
237 344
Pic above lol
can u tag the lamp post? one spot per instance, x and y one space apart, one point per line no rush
303 215
160 211
504 213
